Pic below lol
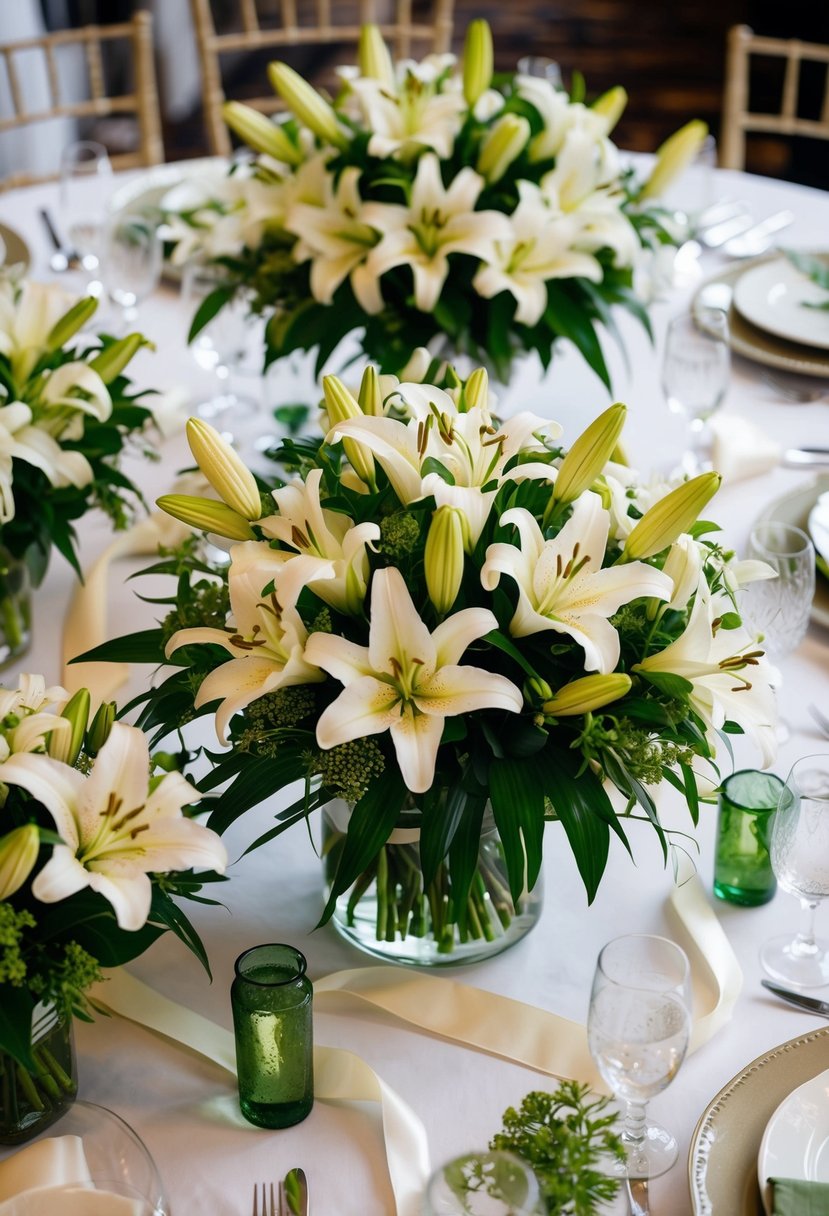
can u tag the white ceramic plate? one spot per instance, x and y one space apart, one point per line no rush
794 508
796 1140
773 297
162 184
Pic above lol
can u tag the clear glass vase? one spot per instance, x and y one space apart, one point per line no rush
15 608
31 1100
388 913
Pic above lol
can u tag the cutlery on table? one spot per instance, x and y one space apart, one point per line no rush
795 392
820 718
62 258
268 1205
743 226
759 238
293 1194
637 1189
799 999
798 458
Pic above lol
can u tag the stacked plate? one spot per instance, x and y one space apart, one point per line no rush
767 300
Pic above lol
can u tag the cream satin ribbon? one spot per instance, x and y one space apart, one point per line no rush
468 1016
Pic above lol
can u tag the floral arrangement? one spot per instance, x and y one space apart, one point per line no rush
441 613
428 203
66 416
92 848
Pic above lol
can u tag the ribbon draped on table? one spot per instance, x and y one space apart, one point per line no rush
484 1021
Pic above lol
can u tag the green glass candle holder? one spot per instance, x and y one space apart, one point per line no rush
742 868
272 999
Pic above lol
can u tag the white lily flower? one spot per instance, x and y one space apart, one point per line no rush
421 110
24 441
327 540
27 316
561 583
731 678
407 680
440 221
266 640
337 241
30 713
554 110
115 831
30 696
541 247
77 386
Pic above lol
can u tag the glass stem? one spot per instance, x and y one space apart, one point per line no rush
804 945
633 1132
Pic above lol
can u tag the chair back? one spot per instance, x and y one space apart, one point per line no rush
303 24
739 118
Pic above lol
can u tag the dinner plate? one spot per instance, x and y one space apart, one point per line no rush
774 297
747 339
722 1162
796 1140
146 192
15 249
793 508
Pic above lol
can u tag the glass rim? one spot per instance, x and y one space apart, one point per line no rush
677 950
782 526
299 958
815 760
741 806
688 321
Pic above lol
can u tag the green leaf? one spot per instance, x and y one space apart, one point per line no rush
145 646
517 798
257 780
463 852
667 682
583 807
16 1006
170 914
370 826
209 307
814 268
496 638
89 919
570 319
439 823
432 465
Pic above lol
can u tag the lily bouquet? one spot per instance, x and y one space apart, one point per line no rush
444 619
431 205
65 418
93 845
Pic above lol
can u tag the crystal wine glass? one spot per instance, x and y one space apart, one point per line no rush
221 345
85 185
638 1029
130 264
779 607
492 1183
696 366
799 850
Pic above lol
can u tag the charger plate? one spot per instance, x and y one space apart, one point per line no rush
722 1162
15 249
747 339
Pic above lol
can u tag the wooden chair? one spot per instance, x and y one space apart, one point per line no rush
321 30
738 118
143 101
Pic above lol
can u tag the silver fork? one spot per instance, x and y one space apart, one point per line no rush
270 1206
790 392
821 719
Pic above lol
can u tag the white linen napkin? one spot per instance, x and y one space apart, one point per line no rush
739 449
74 1201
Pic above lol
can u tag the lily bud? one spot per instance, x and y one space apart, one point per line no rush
477 61
340 405
70 323
674 156
538 688
443 556
373 56
476 390
667 519
370 398
589 454
611 105
588 693
260 132
414 371
207 515
67 746
228 475
102 724
306 104
18 853
507 140
111 362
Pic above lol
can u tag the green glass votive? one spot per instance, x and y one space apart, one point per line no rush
272 999
742 869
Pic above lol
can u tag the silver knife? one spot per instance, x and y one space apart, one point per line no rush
799 999
637 1189
799 458
294 1194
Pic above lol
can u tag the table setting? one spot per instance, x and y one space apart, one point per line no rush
431 498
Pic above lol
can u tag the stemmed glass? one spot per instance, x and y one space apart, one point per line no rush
696 366
85 186
221 345
638 1029
130 263
779 607
799 850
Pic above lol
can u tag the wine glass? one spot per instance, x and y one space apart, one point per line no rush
779 607
799 850
85 186
130 264
541 66
493 1183
696 366
221 345
638 1030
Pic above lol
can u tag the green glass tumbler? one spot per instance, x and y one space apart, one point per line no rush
742 868
272 1000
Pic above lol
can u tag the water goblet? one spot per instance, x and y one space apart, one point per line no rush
696 365
493 1183
799 850
130 264
779 607
638 1029
221 345
85 181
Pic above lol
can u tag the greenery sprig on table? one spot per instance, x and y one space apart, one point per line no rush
432 202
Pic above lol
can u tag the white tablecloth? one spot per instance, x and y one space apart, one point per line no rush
183 1107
